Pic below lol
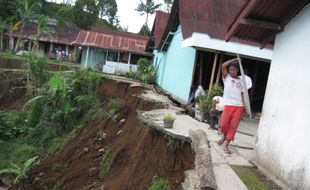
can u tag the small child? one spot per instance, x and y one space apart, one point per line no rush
233 101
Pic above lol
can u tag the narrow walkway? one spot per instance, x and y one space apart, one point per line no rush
188 129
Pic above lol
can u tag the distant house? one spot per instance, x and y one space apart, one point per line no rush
111 51
282 145
102 49
189 45
62 39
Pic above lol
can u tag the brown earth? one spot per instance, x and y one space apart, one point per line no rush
14 63
13 89
138 152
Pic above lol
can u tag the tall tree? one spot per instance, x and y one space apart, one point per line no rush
42 29
65 16
26 13
145 31
108 8
85 13
8 8
147 8
168 5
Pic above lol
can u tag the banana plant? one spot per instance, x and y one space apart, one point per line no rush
21 172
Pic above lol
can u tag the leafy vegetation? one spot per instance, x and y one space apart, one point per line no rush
85 13
169 118
173 144
146 71
159 184
105 164
48 121
21 172
205 102
148 8
253 179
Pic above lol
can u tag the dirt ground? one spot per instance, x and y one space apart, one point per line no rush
138 153
13 89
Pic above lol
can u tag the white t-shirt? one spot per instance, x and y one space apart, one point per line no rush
232 91
220 103
248 81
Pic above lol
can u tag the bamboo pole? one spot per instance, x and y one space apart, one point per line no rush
219 70
213 71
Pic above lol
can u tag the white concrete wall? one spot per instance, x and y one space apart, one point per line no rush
112 67
203 40
283 139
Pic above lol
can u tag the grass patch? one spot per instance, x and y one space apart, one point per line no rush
172 143
254 179
159 184
105 164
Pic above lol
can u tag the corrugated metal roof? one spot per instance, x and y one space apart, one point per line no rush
159 25
263 13
112 40
63 34
211 17
208 16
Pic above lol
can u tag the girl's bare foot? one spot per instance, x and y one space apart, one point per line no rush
226 150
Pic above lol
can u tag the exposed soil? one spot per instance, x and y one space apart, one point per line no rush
13 63
13 89
138 152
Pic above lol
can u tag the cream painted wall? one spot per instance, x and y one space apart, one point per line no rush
283 139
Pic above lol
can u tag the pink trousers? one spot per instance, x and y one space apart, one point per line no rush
230 120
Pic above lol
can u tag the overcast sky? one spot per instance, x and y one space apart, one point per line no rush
127 14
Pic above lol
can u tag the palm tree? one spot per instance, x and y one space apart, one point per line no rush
147 8
42 29
26 13
168 4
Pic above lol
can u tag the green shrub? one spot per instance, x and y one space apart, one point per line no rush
12 124
132 75
159 184
146 71
105 164
22 153
21 171
36 68
115 106
205 102
172 143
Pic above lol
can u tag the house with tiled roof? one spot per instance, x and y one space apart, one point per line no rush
102 49
192 45
282 141
61 39
111 51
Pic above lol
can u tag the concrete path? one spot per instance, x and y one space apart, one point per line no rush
204 143
185 125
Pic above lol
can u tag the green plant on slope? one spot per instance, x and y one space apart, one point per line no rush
159 184
12 124
21 172
36 71
105 164
146 71
115 106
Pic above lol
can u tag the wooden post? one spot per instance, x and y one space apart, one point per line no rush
257 65
86 59
219 70
213 71
51 49
200 68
